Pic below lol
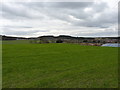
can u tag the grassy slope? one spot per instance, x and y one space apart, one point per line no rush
59 65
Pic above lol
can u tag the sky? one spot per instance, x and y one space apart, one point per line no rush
94 18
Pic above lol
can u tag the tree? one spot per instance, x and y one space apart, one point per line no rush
59 41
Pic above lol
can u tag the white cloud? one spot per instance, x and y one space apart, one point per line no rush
56 18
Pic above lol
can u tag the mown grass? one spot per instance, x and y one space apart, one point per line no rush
59 66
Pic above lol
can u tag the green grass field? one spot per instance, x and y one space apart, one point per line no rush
59 66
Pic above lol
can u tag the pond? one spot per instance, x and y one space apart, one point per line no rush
112 44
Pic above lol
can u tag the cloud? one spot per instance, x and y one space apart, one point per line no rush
21 31
19 11
104 33
68 5
18 26
38 18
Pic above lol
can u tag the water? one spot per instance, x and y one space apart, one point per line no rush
112 44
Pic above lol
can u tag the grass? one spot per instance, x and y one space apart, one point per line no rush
0 65
59 66
16 42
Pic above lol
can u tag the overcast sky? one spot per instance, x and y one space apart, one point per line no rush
83 19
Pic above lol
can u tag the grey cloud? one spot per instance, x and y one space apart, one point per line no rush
104 20
18 26
59 11
23 10
99 7
13 31
18 11
99 34
13 10
25 32
68 5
